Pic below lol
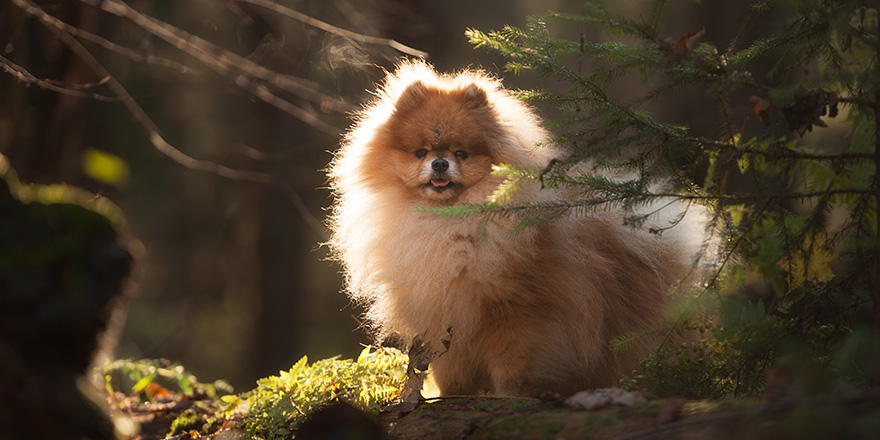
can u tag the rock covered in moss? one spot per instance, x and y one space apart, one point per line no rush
62 267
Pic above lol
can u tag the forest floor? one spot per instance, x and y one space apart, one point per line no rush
853 414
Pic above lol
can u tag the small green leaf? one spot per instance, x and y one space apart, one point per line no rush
105 167
107 384
143 383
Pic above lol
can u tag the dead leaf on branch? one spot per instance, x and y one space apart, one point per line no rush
759 106
687 42
421 354
813 263
807 110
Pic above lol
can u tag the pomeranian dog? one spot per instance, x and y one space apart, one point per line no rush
529 314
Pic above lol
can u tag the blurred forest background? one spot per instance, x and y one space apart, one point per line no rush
230 279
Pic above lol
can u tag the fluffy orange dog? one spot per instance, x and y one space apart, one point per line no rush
530 313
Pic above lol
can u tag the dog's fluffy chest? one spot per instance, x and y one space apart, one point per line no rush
444 270
445 251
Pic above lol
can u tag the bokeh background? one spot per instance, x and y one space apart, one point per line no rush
230 278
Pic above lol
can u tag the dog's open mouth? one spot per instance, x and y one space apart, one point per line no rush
440 185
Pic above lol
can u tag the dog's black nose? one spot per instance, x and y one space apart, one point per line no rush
440 165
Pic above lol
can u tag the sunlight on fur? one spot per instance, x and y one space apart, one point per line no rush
530 314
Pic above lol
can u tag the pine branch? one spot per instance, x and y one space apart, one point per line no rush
611 196
767 238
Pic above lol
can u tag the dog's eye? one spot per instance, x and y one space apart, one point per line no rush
421 153
461 154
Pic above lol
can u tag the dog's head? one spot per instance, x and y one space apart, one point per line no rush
438 141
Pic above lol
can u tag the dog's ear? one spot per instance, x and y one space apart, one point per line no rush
474 97
411 98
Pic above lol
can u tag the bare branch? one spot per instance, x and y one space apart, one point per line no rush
327 27
242 71
21 74
109 45
152 129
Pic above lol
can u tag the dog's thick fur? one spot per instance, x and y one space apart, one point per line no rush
531 313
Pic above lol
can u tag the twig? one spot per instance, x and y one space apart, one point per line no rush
327 27
21 74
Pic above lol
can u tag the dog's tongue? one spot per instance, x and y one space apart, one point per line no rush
439 182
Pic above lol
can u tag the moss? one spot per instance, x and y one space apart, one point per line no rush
280 403
423 409
703 407
150 376
452 415
510 426
551 428
505 405
649 406
522 425
63 268
188 421
595 422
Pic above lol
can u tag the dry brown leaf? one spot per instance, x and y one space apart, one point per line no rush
420 356
759 106
688 42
